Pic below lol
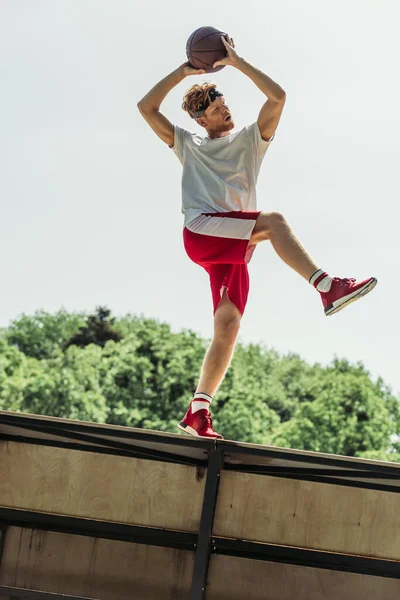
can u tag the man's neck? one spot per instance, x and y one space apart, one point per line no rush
217 137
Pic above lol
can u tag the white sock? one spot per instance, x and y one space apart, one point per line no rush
321 281
201 401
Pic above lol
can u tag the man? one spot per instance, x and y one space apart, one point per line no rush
222 224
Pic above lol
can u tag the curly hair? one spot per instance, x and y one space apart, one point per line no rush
196 95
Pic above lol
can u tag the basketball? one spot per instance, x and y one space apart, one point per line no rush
204 47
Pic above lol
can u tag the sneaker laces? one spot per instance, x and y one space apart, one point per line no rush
346 281
208 420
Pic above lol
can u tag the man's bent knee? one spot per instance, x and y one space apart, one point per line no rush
265 226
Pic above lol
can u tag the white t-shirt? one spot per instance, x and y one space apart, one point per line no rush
220 174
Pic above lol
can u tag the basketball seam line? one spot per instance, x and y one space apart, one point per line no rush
206 38
206 50
204 63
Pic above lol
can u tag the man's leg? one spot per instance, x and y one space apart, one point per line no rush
335 293
216 362
227 318
274 227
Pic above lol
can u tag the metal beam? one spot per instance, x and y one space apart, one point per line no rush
328 476
232 448
101 529
280 471
3 531
307 558
14 593
203 551
92 442
37 423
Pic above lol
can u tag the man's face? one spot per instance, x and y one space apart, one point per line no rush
217 116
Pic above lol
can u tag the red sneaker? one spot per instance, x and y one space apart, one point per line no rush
198 424
345 291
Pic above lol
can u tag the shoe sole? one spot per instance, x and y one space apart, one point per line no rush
190 431
187 429
332 309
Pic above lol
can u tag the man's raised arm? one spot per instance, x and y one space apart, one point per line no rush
271 111
149 105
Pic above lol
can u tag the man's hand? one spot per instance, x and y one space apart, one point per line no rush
232 58
186 69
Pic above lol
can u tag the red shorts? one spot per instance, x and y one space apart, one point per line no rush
219 242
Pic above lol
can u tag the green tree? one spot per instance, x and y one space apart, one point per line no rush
348 414
39 335
66 385
151 375
97 330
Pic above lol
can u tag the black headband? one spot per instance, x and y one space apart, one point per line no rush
204 105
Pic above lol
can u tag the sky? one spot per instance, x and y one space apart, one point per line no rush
90 197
